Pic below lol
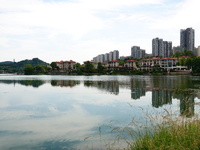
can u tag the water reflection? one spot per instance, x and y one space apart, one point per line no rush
51 117
163 88
33 83
111 87
65 83
161 97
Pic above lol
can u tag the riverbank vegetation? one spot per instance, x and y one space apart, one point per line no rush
170 131
171 135
37 66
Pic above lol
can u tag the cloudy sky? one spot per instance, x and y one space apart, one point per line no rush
79 30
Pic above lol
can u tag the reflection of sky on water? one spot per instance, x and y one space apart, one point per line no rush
59 116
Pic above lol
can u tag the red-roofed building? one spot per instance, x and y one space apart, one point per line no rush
165 63
130 64
66 65
113 64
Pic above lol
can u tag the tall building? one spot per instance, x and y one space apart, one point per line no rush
137 53
167 48
198 51
161 48
106 57
142 53
115 55
175 49
157 47
102 59
187 39
110 56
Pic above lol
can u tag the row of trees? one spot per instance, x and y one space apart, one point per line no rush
30 70
191 62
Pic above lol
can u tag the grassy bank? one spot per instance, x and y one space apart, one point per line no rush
171 135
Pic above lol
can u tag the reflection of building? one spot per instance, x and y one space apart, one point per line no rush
108 86
64 83
136 93
161 97
138 89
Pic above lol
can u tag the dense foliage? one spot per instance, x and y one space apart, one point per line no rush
18 67
171 136
196 65
183 53
37 66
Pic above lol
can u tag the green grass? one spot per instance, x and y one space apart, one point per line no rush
170 135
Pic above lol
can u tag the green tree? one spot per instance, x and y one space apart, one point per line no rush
188 62
195 65
121 63
28 70
100 68
78 66
184 53
188 53
156 68
54 66
89 67
182 61
39 69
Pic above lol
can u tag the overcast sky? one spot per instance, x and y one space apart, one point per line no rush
79 30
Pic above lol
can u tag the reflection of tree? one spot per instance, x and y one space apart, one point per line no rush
34 83
108 86
65 83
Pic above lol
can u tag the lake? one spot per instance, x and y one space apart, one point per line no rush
87 112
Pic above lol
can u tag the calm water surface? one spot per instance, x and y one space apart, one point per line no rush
80 112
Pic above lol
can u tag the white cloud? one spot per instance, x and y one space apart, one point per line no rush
82 29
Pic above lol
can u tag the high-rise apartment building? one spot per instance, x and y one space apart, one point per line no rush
115 55
161 48
137 53
106 57
187 39
110 56
157 47
198 51
167 48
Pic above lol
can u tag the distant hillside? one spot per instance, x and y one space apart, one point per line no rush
6 62
33 62
13 67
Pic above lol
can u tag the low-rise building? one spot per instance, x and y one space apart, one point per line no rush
113 64
130 64
66 65
164 63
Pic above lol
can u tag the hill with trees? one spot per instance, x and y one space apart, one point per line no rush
18 67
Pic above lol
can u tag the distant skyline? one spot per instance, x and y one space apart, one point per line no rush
79 30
